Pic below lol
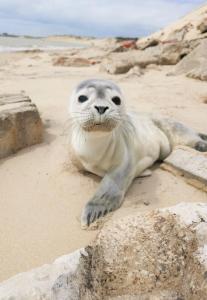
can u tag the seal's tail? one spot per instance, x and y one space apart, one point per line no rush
203 136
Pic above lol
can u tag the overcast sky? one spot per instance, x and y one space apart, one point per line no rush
91 17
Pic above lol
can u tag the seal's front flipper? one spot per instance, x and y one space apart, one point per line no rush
92 212
107 198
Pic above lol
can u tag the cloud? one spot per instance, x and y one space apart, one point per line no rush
91 17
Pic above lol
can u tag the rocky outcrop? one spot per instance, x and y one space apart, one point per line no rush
157 255
195 64
202 27
189 28
45 283
166 47
163 54
20 123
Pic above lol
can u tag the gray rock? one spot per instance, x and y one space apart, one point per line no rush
194 64
20 123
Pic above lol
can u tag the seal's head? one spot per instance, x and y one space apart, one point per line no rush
97 105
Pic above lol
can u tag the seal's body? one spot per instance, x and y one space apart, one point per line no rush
119 145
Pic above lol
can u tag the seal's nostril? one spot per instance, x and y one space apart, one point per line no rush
101 109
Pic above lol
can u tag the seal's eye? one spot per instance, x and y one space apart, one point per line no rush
82 98
116 100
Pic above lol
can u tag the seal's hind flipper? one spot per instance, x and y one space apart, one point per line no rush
203 136
201 146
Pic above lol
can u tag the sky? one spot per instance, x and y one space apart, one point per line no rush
100 18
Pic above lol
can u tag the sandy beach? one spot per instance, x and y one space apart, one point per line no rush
42 194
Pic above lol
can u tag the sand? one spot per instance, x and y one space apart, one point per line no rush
42 194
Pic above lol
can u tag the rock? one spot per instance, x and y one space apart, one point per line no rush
155 255
20 123
151 42
163 54
194 64
129 44
56 281
199 72
159 255
153 67
189 163
202 27
179 34
171 53
133 73
72 62
186 29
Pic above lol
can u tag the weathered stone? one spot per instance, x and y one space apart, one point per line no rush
179 33
199 72
72 61
117 63
151 42
194 64
189 163
162 54
186 29
20 123
202 27
50 282
159 255
135 72
156 255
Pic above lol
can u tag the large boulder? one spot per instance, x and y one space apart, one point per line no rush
162 54
157 255
195 64
20 123
189 28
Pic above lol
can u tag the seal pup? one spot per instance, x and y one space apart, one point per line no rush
118 145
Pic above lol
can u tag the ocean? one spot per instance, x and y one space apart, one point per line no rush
10 44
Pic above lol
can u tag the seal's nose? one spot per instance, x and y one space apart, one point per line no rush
101 109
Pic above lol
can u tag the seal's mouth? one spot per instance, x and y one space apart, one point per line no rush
106 125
